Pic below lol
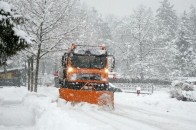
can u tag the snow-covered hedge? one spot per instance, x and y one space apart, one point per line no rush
183 91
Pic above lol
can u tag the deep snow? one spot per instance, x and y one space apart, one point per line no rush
20 109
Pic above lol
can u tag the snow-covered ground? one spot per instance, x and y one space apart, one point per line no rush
21 110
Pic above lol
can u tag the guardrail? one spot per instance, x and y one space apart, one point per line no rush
131 87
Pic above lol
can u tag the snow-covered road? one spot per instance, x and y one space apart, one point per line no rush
44 111
128 117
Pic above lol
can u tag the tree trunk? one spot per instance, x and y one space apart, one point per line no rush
25 74
5 71
29 74
142 75
32 74
141 56
43 67
36 74
37 67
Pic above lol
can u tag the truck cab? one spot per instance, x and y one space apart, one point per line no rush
85 65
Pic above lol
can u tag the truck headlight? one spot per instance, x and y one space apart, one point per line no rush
106 70
69 69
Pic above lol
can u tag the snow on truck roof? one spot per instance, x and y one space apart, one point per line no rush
95 50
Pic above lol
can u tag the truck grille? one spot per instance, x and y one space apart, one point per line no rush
88 76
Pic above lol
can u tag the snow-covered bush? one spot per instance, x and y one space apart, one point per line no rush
183 91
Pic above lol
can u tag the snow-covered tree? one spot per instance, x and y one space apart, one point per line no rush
185 54
92 30
192 28
142 33
167 22
12 38
133 43
120 45
46 23
193 24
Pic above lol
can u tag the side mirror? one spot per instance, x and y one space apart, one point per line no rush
64 59
111 62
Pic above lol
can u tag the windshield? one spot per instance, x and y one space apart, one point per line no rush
86 61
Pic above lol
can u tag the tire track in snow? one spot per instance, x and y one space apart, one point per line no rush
117 121
113 118
160 120
124 118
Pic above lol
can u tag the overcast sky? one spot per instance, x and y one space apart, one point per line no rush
124 7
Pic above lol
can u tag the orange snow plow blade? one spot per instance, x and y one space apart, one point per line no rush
93 97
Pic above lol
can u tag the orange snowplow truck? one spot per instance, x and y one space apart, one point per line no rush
85 75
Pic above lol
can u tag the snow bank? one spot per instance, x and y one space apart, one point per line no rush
14 115
49 116
12 94
41 108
